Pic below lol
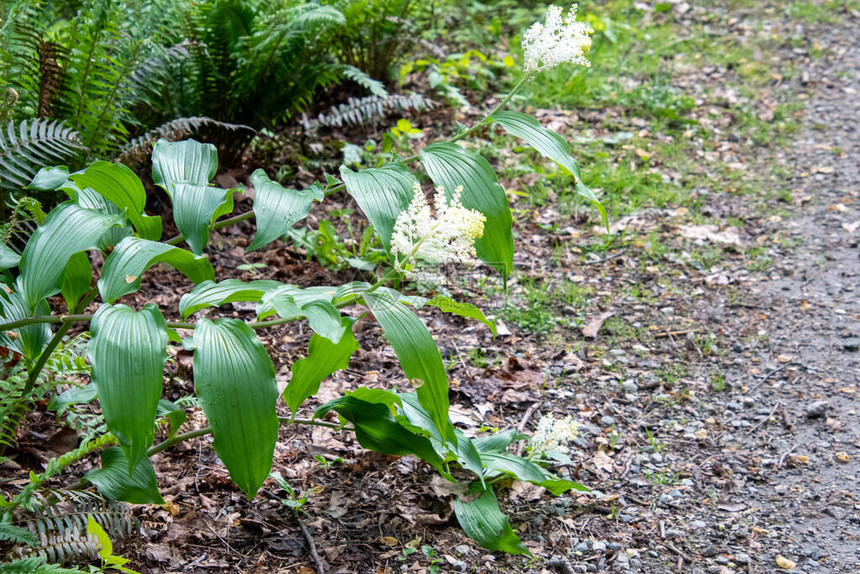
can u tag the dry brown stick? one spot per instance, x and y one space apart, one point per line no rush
667 334
312 548
765 419
772 373
784 456
522 426
680 553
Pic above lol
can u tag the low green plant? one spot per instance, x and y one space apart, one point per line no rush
234 376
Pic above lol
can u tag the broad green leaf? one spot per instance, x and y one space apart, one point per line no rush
67 230
124 267
183 169
467 310
93 529
119 185
235 380
498 442
322 316
49 178
175 416
376 430
550 145
528 471
30 339
266 306
418 355
186 161
114 480
72 396
451 166
483 522
212 294
127 352
8 258
468 456
382 194
277 208
324 358
76 279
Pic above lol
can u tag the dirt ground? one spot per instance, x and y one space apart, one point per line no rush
718 403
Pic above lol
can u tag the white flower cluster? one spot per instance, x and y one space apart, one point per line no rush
561 40
552 437
418 237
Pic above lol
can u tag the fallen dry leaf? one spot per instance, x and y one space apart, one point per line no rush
602 461
592 327
712 233
785 563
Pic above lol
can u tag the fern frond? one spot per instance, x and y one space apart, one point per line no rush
36 565
16 534
230 138
59 526
37 143
375 87
371 108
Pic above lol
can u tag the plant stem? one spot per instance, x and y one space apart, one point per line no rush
208 430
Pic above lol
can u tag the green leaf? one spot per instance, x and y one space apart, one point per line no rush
382 194
418 355
30 339
468 456
212 294
376 430
68 229
175 416
72 396
528 471
76 279
49 178
128 351
8 258
467 310
183 169
186 161
324 358
322 316
94 529
119 185
235 380
483 522
301 297
17 534
451 166
497 443
122 271
277 208
550 145
114 481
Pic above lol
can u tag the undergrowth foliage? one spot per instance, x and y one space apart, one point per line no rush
234 376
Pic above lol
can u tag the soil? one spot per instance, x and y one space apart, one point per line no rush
719 412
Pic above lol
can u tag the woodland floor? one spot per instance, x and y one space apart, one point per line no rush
713 363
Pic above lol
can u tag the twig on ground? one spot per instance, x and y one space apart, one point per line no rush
560 565
607 258
522 426
667 334
773 372
765 419
680 553
312 548
784 456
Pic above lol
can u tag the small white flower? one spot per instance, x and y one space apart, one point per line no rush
560 40
419 238
552 437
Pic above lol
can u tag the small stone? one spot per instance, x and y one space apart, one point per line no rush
630 386
737 347
699 524
817 409
598 546
710 551
607 421
749 402
461 549
657 458
851 345
742 558
581 547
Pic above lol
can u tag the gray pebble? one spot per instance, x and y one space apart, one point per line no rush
817 409
581 547
461 549
607 421
630 386
699 524
598 546
742 558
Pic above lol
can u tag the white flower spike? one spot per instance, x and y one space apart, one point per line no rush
560 40
419 238
552 437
